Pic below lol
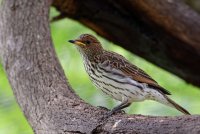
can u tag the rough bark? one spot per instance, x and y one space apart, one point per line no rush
42 90
165 32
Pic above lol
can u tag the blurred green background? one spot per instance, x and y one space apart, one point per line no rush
12 120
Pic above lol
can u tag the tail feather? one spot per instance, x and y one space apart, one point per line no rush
164 99
178 107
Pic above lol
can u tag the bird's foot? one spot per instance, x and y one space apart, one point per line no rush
110 113
121 112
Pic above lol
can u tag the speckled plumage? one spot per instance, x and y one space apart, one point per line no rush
117 77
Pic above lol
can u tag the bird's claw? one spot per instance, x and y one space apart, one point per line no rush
121 111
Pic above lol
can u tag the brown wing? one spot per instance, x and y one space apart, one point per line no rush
119 62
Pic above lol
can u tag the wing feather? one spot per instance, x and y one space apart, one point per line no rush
119 62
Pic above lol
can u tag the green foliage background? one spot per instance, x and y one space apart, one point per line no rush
12 120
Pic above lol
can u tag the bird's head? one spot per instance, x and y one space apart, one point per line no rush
88 45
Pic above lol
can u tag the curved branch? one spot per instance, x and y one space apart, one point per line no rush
164 32
40 86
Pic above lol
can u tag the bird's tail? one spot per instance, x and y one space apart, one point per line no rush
164 99
177 106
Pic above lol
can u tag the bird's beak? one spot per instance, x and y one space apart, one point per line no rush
77 42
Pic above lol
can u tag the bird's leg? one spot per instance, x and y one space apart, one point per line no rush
118 108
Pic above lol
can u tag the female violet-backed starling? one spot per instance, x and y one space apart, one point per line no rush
118 78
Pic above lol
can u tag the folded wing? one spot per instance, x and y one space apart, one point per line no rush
118 62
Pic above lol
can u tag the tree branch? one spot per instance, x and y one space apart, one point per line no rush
40 86
164 32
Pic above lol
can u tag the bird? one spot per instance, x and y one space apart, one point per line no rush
119 78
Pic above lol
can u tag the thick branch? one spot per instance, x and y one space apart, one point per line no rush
41 89
165 32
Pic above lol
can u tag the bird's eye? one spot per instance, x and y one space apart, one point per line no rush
87 42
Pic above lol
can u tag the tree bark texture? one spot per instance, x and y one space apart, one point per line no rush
42 90
165 32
